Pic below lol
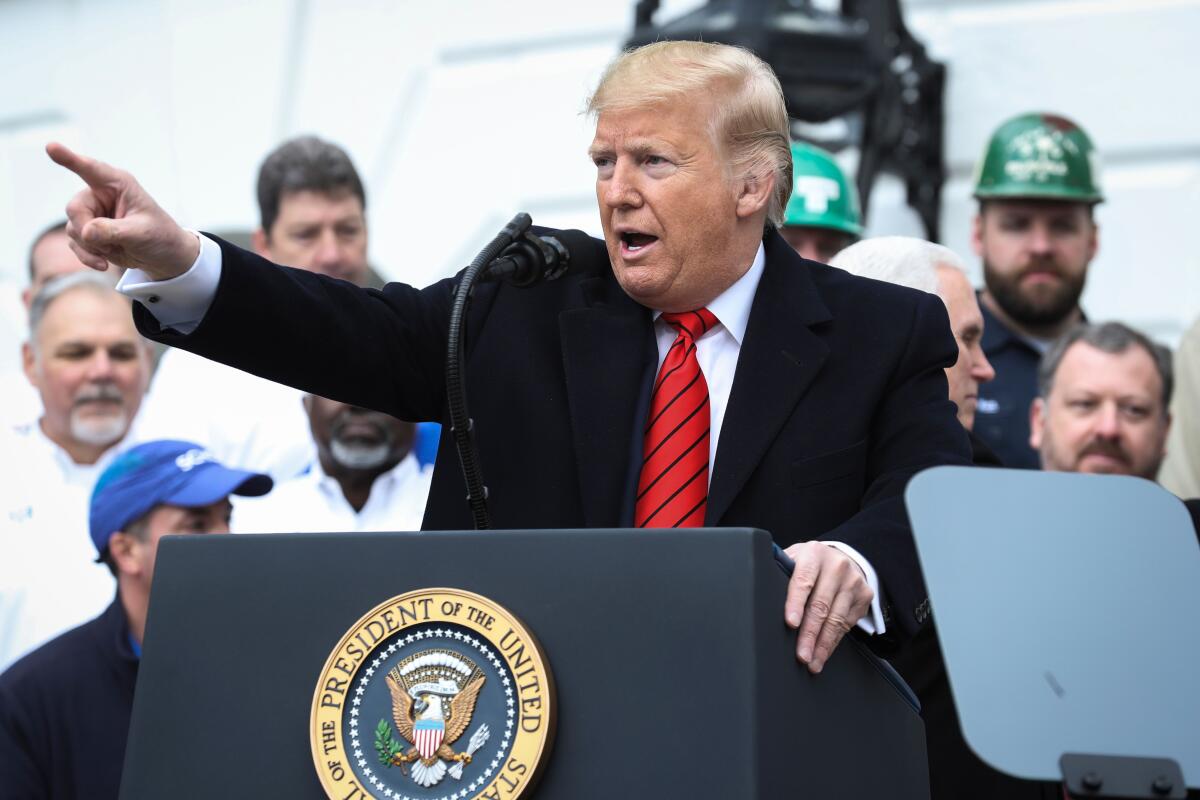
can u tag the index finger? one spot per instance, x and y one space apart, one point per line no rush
95 173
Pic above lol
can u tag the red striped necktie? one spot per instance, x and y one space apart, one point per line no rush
673 488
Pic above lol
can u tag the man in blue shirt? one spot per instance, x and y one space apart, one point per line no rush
1035 233
65 707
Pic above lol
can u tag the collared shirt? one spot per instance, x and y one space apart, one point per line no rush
245 421
717 350
19 401
48 579
314 502
1002 412
181 303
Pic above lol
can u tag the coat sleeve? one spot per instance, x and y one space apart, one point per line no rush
915 427
381 349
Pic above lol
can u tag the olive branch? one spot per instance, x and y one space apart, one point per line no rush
386 745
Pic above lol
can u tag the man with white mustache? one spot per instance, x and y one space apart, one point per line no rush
366 477
90 369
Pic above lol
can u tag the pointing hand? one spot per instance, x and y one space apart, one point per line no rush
115 221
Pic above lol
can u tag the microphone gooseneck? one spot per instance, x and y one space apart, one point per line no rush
522 259
461 424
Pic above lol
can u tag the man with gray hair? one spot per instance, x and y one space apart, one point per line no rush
689 370
954 769
90 368
1104 391
933 268
50 257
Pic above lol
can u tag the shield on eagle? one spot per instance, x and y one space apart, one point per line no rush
427 736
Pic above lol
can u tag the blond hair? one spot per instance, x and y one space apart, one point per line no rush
750 123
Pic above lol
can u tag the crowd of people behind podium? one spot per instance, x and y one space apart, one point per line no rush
109 443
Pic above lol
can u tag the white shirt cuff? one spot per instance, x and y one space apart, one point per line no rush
180 302
873 623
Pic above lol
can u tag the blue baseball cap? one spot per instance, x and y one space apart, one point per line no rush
165 471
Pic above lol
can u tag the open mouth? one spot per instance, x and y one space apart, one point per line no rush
633 242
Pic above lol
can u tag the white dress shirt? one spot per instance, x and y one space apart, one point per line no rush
717 351
19 401
314 502
182 302
49 582
245 421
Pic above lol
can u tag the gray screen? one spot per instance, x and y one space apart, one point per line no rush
1068 608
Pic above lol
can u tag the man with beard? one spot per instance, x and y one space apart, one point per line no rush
1035 233
89 366
365 477
1104 393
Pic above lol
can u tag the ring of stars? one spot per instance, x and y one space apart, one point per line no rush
360 757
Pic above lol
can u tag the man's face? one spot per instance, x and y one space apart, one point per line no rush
323 233
52 258
357 439
90 367
1035 256
816 244
166 520
1104 414
668 209
966 323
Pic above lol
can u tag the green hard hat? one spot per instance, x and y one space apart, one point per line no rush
1043 156
821 195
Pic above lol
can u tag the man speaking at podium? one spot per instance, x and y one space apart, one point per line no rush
689 370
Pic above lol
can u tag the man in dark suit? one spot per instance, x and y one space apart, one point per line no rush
813 395
954 769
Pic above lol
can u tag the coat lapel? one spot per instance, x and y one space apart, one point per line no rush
780 356
608 349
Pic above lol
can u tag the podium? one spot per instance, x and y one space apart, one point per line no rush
674 673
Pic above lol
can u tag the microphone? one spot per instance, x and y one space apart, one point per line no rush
529 260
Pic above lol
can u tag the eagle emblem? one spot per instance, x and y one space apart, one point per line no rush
434 694
433 698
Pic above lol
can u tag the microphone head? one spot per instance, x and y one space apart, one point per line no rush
557 256
584 253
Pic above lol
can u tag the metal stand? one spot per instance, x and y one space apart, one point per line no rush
1121 777
461 424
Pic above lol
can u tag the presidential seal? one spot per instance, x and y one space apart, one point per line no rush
438 694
